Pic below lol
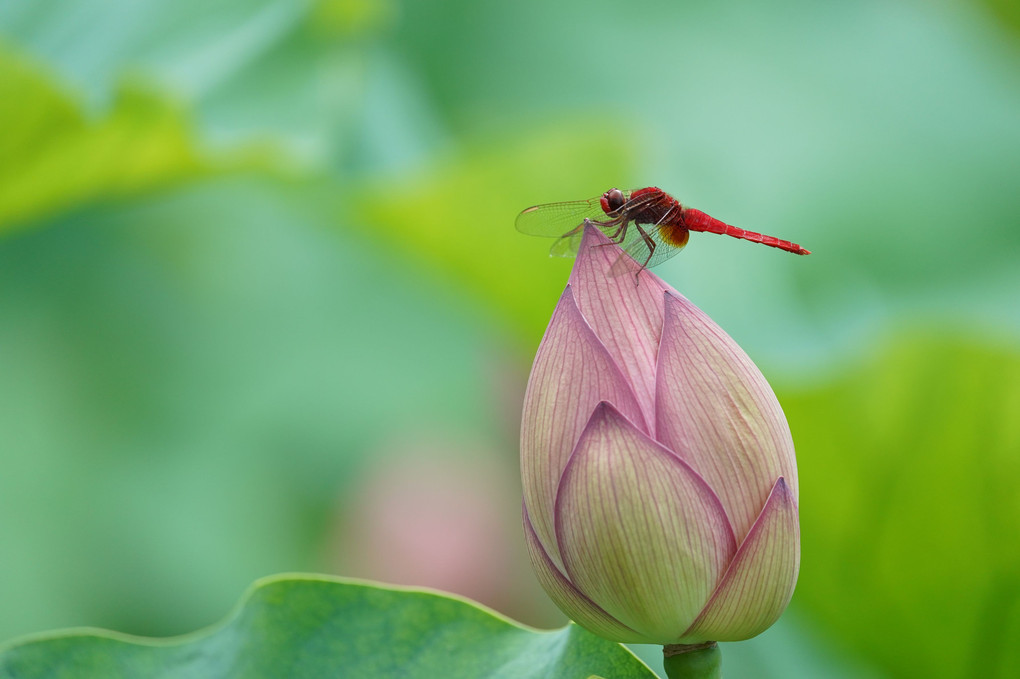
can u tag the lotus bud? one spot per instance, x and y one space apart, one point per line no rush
660 483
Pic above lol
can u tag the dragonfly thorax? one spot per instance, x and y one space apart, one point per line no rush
652 206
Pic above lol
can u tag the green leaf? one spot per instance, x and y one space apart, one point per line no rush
53 156
296 76
909 507
313 626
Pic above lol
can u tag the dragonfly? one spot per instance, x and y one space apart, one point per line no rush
649 224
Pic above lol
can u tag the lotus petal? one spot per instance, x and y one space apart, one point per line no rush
577 606
572 374
640 533
717 412
758 585
626 317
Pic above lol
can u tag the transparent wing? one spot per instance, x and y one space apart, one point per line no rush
567 244
553 220
562 221
666 241
641 254
565 221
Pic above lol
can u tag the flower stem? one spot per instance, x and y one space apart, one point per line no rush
692 661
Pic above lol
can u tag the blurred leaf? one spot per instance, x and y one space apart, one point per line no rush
458 214
910 510
190 383
53 156
186 47
351 17
296 77
1006 11
313 627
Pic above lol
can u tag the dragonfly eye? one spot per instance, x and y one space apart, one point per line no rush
612 200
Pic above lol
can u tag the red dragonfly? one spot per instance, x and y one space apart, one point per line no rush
649 224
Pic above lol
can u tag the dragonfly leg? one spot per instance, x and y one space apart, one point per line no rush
651 251
617 236
618 222
621 231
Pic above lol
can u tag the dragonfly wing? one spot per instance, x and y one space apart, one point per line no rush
661 244
553 220
567 245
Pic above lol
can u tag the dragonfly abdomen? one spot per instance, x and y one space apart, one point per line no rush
696 220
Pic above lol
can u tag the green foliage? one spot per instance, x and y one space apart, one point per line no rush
314 627
458 217
909 507
1006 12
53 156
191 381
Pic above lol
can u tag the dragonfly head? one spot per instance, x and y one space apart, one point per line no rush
612 200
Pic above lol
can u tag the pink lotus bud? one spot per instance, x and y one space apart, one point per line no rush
660 483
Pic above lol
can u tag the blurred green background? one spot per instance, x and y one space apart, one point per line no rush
263 308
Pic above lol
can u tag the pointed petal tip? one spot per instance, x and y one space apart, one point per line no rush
606 414
782 493
677 305
593 233
567 301
568 293
604 410
760 581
